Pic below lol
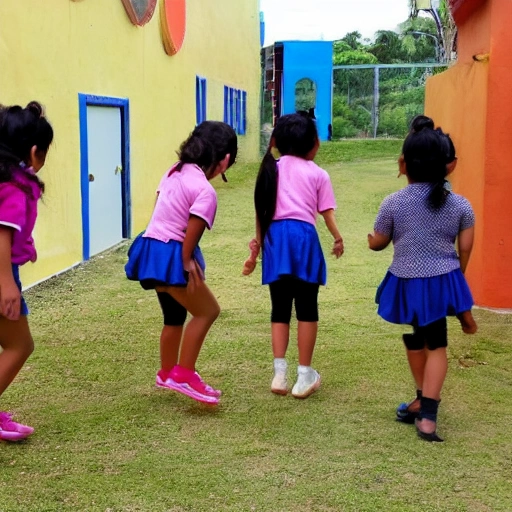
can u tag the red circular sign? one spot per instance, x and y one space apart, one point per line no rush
173 20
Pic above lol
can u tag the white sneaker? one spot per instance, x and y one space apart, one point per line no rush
308 381
279 382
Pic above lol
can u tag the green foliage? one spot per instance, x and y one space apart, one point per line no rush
351 57
353 40
393 121
388 47
341 46
401 90
305 94
342 128
416 41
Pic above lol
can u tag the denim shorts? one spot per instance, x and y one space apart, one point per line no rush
16 275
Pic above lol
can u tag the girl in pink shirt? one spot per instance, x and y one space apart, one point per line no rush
167 258
289 195
25 136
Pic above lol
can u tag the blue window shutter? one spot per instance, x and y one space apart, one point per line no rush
239 111
198 100
231 99
226 104
203 97
244 112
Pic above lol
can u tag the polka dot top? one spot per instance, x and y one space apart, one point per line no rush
423 237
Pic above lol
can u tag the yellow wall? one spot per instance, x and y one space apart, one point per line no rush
53 50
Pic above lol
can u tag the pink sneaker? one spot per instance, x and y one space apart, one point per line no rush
205 389
161 377
188 383
12 431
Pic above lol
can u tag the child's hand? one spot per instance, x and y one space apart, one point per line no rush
195 275
249 267
338 249
10 300
250 262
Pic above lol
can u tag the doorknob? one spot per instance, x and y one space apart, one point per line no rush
91 177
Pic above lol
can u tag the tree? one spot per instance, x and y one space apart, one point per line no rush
353 39
352 57
388 47
445 24
350 50
420 39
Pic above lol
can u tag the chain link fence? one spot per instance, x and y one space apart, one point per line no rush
372 101
369 100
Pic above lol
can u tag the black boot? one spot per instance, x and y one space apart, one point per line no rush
428 411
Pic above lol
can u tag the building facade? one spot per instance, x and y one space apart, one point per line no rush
472 101
123 83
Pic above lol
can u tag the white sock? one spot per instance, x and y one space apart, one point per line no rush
280 364
304 370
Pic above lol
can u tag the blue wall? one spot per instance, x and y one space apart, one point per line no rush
313 60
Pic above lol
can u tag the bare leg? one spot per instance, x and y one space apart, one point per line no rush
170 340
469 326
280 339
306 335
417 360
200 302
436 368
17 344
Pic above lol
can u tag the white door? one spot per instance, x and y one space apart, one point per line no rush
105 185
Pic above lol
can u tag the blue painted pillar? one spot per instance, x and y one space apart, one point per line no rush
313 60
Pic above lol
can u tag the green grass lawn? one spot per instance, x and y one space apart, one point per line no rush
107 440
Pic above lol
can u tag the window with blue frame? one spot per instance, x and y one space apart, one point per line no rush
200 99
235 109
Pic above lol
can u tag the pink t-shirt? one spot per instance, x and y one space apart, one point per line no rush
181 194
18 210
303 190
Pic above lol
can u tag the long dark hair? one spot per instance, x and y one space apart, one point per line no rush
295 135
20 130
208 145
425 155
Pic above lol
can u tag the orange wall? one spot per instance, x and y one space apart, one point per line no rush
498 169
455 99
474 35
473 102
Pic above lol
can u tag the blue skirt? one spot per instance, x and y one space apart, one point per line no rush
421 301
155 263
292 248
16 274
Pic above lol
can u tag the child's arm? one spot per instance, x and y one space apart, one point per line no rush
254 248
465 245
10 295
330 222
195 229
378 241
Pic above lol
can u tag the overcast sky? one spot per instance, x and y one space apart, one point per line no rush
329 19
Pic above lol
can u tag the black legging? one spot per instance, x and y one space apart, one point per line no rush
432 336
282 294
174 313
